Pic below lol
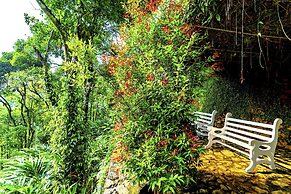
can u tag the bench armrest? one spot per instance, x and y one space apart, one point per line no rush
214 130
254 142
261 145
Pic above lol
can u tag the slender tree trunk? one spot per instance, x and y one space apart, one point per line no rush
26 117
9 109
47 74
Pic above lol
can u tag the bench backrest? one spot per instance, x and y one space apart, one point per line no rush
205 119
246 130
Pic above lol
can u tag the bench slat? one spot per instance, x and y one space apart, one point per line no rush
237 136
231 147
203 121
203 113
250 123
250 128
253 135
234 141
202 128
204 117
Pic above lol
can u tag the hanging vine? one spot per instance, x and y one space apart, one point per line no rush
247 29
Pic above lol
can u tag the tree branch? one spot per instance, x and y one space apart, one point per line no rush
8 107
56 23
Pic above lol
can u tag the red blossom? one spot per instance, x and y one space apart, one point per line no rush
147 27
150 77
194 146
211 74
164 81
111 71
152 5
119 93
166 29
128 74
187 30
174 136
217 66
104 58
174 6
125 16
216 55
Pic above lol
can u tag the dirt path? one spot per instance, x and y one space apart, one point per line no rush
222 171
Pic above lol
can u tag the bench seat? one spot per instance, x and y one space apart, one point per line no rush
256 140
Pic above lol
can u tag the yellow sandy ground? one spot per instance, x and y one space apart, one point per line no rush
223 171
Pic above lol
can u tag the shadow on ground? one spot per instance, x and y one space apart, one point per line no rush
223 171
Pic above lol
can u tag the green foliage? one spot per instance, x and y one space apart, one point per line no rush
245 101
23 56
204 11
27 172
226 96
89 20
23 108
34 171
73 108
81 25
158 82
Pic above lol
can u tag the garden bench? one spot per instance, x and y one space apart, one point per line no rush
256 140
203 121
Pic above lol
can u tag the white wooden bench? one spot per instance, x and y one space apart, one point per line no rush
256 140
203 121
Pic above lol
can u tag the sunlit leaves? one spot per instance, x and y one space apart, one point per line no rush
163 55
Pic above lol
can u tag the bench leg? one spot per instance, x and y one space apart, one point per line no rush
210 142
251 167
253 160
272 163
271 160
255 152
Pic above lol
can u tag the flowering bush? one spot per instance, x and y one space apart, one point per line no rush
158 73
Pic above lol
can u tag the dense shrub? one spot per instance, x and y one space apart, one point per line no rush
158 69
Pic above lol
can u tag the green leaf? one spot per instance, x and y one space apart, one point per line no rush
171 188
217 16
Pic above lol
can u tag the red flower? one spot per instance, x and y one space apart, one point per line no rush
153 5
128 74
215 55
187 30
166 29
104 58
217 66
150 77
194 146
164 81
119 93
211 74
174 136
